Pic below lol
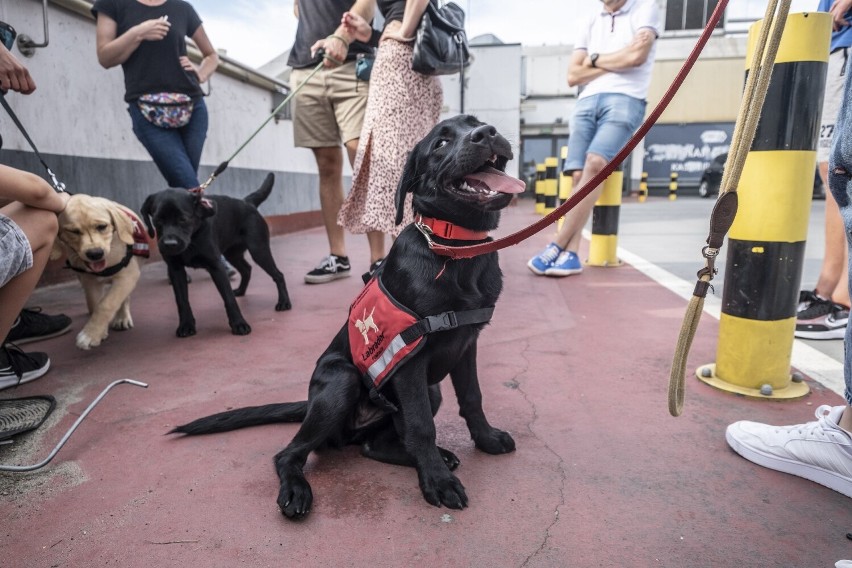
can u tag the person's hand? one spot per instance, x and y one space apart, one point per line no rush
838 13
190 67
13 74
63 200
356 26
397 36
153 30
335 47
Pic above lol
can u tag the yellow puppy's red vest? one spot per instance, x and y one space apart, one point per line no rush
383 333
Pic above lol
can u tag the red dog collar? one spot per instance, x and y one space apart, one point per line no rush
447 230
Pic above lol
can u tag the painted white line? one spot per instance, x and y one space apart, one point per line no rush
814 363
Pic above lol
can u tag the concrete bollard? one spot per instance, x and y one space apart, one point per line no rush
551 184
604 242
673 186
643 188
539 188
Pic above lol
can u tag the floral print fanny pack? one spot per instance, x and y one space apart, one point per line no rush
166 110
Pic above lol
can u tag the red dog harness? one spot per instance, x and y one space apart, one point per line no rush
383 333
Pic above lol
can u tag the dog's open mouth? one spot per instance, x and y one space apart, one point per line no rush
489 180
96 265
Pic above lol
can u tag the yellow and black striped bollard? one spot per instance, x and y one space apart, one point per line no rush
673 186
766 244
566 183
539 188
551 185
604 242
643 188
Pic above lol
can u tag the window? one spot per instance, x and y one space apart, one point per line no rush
683 15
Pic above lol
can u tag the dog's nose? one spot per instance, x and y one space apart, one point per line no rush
483 134
169 242
95 254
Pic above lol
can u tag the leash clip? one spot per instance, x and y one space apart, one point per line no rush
426 230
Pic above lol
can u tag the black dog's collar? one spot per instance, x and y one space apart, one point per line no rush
110 270
435 227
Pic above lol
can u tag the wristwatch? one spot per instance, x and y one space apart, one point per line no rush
593 58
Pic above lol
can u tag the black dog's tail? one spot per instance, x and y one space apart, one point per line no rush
244 417
261 194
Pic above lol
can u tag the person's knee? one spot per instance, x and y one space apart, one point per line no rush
329 162
594 163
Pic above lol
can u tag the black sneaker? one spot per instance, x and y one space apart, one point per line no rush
822 319
32 325
17 367
373 267
330 268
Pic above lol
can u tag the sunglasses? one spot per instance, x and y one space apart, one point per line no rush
7 35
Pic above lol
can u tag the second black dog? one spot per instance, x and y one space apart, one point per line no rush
194 230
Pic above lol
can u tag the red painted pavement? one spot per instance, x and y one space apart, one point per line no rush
576 369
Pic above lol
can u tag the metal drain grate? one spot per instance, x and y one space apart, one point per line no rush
20 415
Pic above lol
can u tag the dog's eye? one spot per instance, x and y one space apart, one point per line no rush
101 228
441 143
75 231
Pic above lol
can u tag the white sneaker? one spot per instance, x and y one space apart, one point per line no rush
820 451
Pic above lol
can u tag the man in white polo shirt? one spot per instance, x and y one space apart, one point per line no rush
611 63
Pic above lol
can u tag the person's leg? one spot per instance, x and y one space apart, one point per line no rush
167 150
330 167
40 227
375 239
194 134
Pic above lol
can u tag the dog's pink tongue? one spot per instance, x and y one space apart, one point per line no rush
97 266
495 180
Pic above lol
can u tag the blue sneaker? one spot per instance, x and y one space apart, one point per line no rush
566 264
544 260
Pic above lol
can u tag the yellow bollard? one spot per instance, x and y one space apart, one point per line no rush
673 186
551 185
604 241
643 188
766 243
539 188
566 184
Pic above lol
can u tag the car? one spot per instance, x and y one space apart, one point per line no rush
711 179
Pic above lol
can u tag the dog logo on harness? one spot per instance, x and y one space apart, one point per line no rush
366 324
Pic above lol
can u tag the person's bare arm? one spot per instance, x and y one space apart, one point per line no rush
114 50
410 20
13 74
336 45
29 189
581 70
210 61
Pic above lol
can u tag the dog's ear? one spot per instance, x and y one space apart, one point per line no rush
122 222
205 207
57 250
147 208
406 183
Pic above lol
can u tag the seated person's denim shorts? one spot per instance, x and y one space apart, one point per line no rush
601 125
16 255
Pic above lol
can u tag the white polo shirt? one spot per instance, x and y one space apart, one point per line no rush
608 32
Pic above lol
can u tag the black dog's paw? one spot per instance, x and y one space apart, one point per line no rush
449 458
495 442
239 292
240 328
295 497
283 306
444 490
185 330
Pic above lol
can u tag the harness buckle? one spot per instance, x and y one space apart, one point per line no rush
442 322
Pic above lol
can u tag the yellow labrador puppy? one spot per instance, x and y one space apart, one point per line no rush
102 240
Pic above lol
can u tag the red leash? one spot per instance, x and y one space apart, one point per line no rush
474 250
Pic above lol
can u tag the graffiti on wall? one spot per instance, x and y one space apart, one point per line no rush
686 149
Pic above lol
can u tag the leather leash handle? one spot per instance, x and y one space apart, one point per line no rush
498 244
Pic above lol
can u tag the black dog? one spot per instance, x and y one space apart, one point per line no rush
456 177
194 230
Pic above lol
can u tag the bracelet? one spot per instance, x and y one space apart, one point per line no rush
337 37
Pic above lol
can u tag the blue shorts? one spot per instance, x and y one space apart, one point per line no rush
16 255
601 125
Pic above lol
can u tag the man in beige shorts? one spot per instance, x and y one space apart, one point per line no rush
328 111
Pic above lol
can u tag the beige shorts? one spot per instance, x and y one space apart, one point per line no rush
831 101
329 109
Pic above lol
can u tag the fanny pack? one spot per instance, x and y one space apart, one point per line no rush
166 110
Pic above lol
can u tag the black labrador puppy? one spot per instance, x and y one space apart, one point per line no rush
196 230
456 175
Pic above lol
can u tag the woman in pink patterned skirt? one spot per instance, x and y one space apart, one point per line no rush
402 108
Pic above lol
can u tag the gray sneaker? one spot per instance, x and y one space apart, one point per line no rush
330 268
